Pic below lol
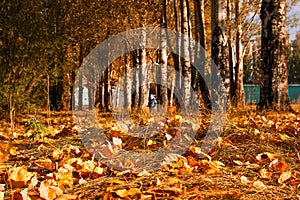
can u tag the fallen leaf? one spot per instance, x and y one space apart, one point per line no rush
279 165
45 164
24 194
19 176
125 193
57 154
265 155
67 197
244 180
259 185
49 192
285 137
284 176
264 173
2 187
117 142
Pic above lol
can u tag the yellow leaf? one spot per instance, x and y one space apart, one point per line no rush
99 170
256 132
88 166
57 154
122 193
264 173
13 151
284 176
125 193
19 176
116 181
49 192
285 137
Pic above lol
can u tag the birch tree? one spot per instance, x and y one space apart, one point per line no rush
220 49
164 58
186 64
274 77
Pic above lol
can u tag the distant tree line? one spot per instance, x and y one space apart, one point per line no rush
43 44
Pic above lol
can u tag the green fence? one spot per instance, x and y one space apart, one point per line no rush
252 93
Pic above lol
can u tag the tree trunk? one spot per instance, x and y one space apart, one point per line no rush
239 99
80 92
175 56
200 53
143 75
164 59
135 82
127 84
274 77
186 64
220 49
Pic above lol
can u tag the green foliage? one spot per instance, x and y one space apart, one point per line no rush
37 129
294 60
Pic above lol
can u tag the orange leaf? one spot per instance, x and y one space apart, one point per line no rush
45 164
19 176
125 193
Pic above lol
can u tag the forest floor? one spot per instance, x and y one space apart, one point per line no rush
255 157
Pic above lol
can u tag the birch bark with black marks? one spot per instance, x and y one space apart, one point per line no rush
274 77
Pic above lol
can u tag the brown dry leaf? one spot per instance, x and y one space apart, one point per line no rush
19 176
264 173
259 185
49 192
127 193
23 195
45 164
4 151
284 176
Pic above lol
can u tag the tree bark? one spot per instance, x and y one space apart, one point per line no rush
164 59
220 49
274 79
143 76
127 84
186 64
239 67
